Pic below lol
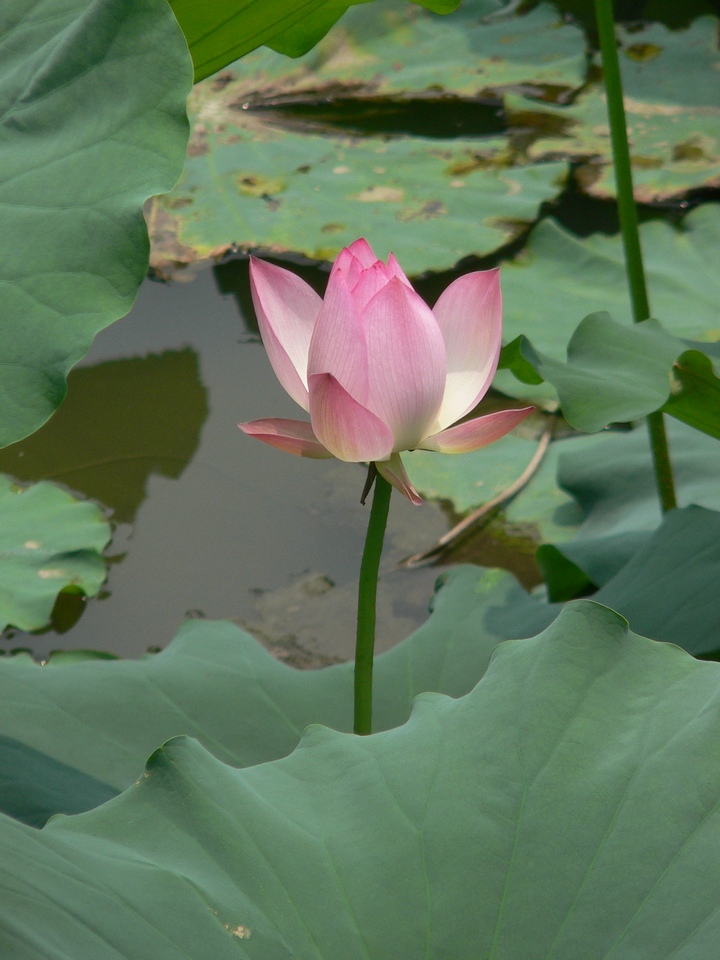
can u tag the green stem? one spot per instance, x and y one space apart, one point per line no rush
629 228
367 594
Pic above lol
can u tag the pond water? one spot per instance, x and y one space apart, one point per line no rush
207 521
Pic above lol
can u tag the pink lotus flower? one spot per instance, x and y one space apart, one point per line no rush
379 371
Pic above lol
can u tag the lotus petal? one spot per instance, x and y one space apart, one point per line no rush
292 436
287 309
393 471
405 362
338 342
348 429
476 433
469 314
353 260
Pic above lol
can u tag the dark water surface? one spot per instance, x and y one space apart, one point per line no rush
210 522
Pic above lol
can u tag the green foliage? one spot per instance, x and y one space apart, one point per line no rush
390 49
566 804
617 373
583 276
216 683
512 822
542 509
34 785
219 32
594 499
92 100
613 483
667 589
251 189
695 392
48 542
97 721
277 143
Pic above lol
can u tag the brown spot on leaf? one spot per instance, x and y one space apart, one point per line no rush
643 51
646 163
259 185
332 228
692 149
477 161
176 203
428 211
381 195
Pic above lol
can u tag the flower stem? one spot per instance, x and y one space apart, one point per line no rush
629 228
367 594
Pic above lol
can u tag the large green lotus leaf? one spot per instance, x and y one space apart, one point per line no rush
390 49
215 682
92 100
614 486
564 808
667 590
102 442
91 723
218 31
248 184
583 276
34 785
48 542
673 117
616 373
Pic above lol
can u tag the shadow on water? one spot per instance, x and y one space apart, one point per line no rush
121 422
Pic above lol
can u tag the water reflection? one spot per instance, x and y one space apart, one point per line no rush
121 422
208 520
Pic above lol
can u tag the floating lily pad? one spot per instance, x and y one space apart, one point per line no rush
255 177
670 85
392 49
432 202
48 542
671 66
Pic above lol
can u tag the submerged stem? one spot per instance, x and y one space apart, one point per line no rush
367 595
629 228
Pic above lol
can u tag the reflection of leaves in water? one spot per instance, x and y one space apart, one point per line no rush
122 420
